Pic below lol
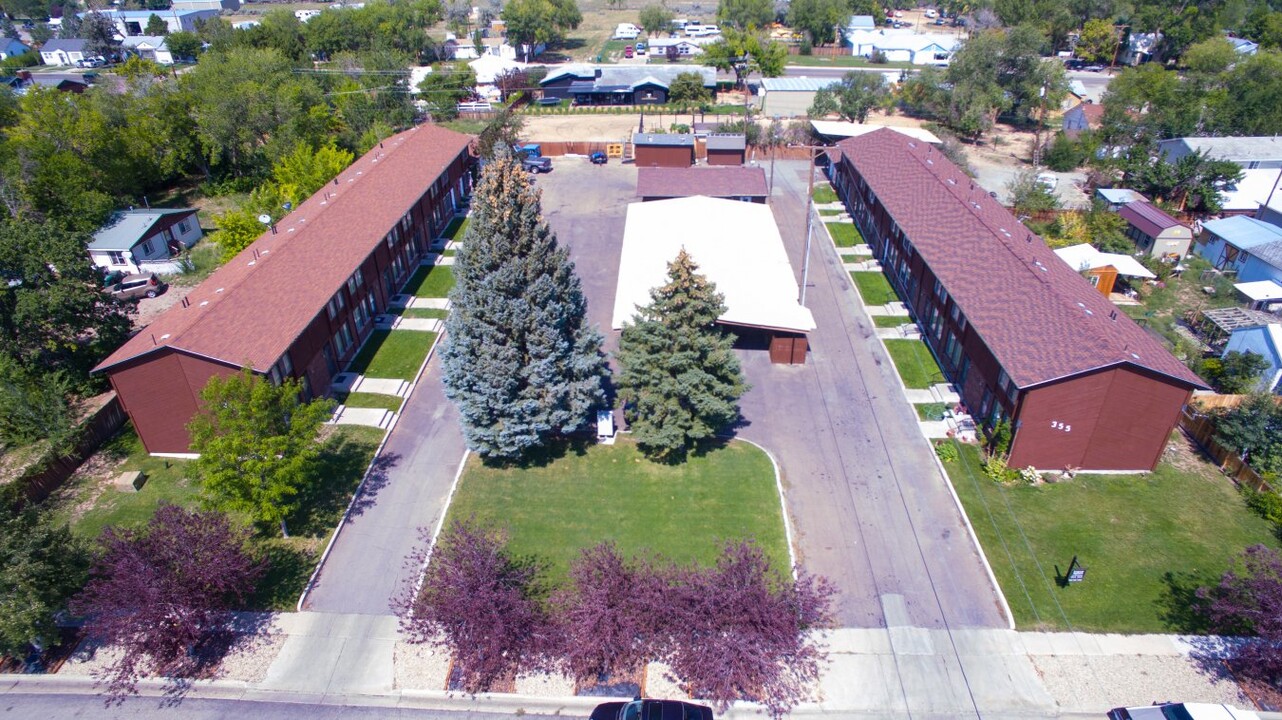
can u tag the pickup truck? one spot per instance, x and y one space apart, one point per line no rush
537 164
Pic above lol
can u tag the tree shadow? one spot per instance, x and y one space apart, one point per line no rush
1180 607
288 568
338 473
558 448
378 477
240 633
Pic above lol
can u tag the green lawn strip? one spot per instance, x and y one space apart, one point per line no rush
682 513
930 411
844 234
393 354
425 313
916 365
1147 542
449 253
433 281
455 228
824 194
827 213
874 288
889 321
371 400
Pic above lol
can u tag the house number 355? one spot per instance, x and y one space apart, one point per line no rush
1057 425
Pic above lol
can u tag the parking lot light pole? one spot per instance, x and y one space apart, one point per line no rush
810 214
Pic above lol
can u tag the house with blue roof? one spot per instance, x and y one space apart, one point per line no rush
138 241
1249 247
10 47
1264 340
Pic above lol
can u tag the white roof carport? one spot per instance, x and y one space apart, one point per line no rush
735 244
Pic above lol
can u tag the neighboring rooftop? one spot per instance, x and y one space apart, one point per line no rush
66 45
1260 290
720 182
630 76
663 139
1266 147
1087 257
842 129
797 84
127 227
1040 319
1120 196
1244 233
727 141
1149 218
861 22
736 245
251 309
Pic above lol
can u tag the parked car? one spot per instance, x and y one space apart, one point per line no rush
648 709
930 13
939 21
597 158
537 164
627 51
1182 711
1093 68
136 286
1050 181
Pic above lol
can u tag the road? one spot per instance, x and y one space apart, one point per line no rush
34 706
1095 82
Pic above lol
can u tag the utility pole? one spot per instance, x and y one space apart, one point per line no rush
810 214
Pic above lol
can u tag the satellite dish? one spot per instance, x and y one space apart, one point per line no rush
265 219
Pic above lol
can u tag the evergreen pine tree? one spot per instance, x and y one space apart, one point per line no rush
520 361
678 377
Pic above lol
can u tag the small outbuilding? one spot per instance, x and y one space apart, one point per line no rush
1102 269
1264 340
663 149
737 246
746 184
1156 233
1115 198
726 148
791 96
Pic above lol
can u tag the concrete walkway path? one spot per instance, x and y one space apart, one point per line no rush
418 324
436 303
369 417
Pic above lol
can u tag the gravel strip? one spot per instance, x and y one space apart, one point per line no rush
421 666
1099 682
545 685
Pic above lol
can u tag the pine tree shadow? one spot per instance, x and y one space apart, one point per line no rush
577 445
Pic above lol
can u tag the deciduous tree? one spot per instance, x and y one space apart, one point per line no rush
1028 195
655 19
1248 601
858 94
678 377
257 445
745 53
521 362
449 84
745 14
1254 431
1097 41
687 90
818 18
236 230
476 600
158 592
41 566
183 45
1237 373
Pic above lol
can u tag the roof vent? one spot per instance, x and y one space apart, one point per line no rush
203 303
1112 315
253 262
291 229
1137 357
951 181
912 144
218 290
165 336
929 161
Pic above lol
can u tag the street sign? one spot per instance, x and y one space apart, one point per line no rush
1076 573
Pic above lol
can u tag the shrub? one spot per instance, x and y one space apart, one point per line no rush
946 451
1029 475
1267 504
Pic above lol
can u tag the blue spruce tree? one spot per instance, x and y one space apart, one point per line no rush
520 362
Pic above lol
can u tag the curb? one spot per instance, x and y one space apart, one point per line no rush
783 503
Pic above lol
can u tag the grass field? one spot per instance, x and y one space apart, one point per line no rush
844 234
610 492
1147 542
393 354
874 288
372 400
430 282
885 321
425 313
457 228
916 365
825 194
830 213
930 411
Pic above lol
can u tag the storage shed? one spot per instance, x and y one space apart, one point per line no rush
726 148
663 149
1156 233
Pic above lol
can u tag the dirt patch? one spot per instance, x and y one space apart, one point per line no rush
591 128
150 308
87 483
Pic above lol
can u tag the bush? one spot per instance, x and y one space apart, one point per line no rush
946 451
807 47
877 58
1267 504
997 470
1064 153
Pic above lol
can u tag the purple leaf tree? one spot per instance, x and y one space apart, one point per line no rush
610 616
161 591
742 632
477 601
1248 601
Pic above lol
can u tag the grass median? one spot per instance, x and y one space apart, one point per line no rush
916 365
873 287
394 354
433 281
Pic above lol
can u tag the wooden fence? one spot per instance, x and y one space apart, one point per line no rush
821 50
105 417
1201 427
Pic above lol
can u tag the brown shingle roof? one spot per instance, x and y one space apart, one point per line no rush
1093 112
251 310
1150 219
1041 320
720 182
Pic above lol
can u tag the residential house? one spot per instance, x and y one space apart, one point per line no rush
134 22
63 52
903 46
1083 116
672 150
10 47
1265 341
747 184
1156 233
791 96
186 5
1242 45
1021 335
149 47
682 46
1262 295
726 148
1249 194
1241 244
834 130
619 84
1115 198
1249 152
298 301
861 22
62 83
1139 48
139 241
1102 269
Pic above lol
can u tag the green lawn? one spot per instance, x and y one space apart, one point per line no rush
393 354
874 288
930 411
456 228
371 400
449 253
916 365
825 194
433 281
885 321
844 234
1147 542
828 213
425 313
610 492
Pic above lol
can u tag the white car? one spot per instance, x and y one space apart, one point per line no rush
1182 711
931 13
1050 181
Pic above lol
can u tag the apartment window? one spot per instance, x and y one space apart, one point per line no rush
335 305
362 316
146 247
286 365
183 227
343 339
941 293
355 282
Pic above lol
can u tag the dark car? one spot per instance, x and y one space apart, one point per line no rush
537 164
651 710
597 158
1093 68
136 286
